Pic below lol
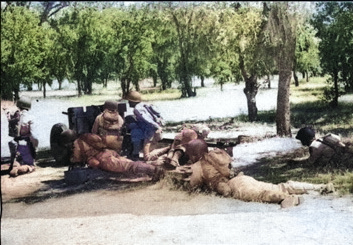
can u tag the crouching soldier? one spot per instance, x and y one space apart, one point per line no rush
109 124
326 150
179 152
213 172
24 144
90 149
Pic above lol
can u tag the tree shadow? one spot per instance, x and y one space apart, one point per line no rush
291 166
97 180
319 114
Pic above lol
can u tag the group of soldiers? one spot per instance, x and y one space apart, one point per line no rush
189 154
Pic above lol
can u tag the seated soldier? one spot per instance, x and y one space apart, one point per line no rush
145 126
108 125
326 150
213 172
90 149
23 129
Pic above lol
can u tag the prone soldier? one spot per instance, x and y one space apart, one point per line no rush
213 172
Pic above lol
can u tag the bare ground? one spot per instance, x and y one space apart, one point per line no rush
41 208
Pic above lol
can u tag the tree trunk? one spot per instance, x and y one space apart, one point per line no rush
334 102
154 77
307 76
283 106
268 81
123 87
44 90
202 81
250 91
296 80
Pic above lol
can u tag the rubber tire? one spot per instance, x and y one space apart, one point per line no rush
56 148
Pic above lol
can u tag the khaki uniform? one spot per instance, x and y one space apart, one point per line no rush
330 150
213 172
91 149
108 125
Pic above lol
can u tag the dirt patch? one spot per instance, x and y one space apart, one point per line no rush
42 207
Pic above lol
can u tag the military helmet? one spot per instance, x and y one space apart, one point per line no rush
134 96
195 149
68 136
24 103
306 135
111 105
201 130
187 135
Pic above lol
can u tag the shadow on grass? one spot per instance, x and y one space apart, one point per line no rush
283 167
322 117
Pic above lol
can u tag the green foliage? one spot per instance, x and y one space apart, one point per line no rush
334 22
132 48
21 50
307 49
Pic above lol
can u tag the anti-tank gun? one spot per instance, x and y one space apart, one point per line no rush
81 120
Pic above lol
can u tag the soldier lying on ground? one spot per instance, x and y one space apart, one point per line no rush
90 149
213 172
326 150
108 125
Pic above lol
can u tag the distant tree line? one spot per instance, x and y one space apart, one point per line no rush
94 42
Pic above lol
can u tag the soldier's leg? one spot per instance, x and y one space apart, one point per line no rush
153 155
175 158
13 150
294 187
138 168
146 149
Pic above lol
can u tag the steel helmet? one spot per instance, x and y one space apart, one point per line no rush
134 96
187 135
111 105
24 103
306 135
195 149
201 130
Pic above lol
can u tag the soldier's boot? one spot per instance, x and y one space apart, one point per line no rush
328 188
223 189
24 169
14 172
291 201
156 172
